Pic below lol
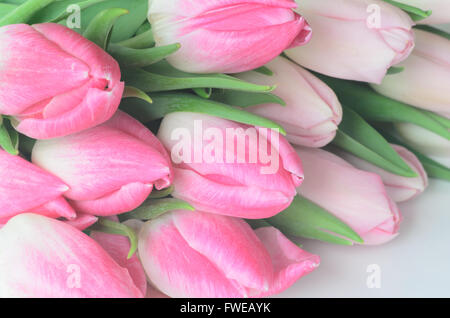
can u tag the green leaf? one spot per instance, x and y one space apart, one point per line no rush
154 82
161 193
306 219
165 103
245 99
359 138
57 10
107 226
433 168
264 70
24 12
395 70
6 8
155 208
375 107
433 30
9 138
258 223
415 13
99 30
141 57
136 93
203 92
126 25
141 41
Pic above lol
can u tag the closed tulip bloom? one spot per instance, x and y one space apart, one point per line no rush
312 112
54 81
354 39
43 257
223 167
425 80
195 254
424 141
439 8
357 197
226 36
398 188
110 169
25 187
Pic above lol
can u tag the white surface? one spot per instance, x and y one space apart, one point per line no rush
415 264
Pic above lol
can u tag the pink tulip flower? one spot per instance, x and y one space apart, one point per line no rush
118 247
110 169
224 167
195 254
357 197
43 257
82 221
54 81
312 112
354 39
25 187
226 36
398 188
439 8
425 80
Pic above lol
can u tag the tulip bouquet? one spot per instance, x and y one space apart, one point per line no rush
183 148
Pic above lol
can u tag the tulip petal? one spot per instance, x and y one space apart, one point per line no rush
290 262
82 221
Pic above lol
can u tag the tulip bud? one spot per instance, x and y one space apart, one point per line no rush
439 10
312 112
25 187
194 254
398 188
425 80
218 36
42 257
229 168
357 197
354 39
110 169
54 81
425 141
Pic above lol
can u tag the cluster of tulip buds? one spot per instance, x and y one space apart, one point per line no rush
186 151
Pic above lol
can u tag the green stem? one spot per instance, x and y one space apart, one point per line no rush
24 12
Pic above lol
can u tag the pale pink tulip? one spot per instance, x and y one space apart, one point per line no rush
54 81
357 197
425 141
196 254
226 36
220 169
25 187
43 257
398 188
110 169
118 247
354 39
439 8
312 112
425 80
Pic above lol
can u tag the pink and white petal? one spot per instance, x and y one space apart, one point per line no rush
211 195
127 198
290 262
96 108
230 244
118 247
32 69
82 221
173 266
55 209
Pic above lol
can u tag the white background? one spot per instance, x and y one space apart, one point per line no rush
415 264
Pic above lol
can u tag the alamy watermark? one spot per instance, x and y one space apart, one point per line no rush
231 146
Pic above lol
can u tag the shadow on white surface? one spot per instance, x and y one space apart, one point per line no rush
415 264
